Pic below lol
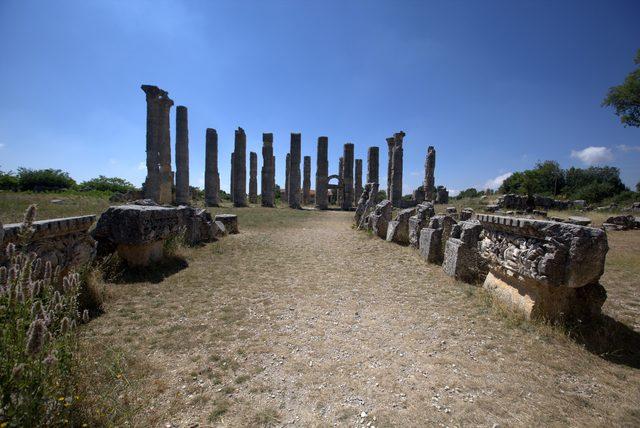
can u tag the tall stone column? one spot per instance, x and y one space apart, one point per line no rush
231 176
429 171
347 180
390 144
253 177
211 174
294 171
396 173
322 173
285 195
358 181
340 191
152 182
240 169
183 196
159 179
166 174
373 162
267 173
306 180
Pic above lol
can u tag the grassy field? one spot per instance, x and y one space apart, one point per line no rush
300 320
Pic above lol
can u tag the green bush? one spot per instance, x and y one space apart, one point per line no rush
9 181
37 338
107 184
40 180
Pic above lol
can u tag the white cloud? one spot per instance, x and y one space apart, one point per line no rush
592 155
622 147
2 146
142 166
453 192
496 182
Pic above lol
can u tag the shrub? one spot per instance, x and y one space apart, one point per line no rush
8 181
107 184
44 179
37 321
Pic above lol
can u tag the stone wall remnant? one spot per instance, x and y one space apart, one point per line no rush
183 195
306 181
366 205
253 177
419 221
240 169
322 173
230 222
373 165
211 174
544 269
379 219
294 171
347 177
429 172
398 229
461 256
525 203
434 237
267 188
64 242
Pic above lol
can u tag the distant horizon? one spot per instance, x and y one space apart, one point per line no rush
490 105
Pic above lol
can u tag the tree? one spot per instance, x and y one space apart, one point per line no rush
44 179
8 181
625 98
107 184
468 193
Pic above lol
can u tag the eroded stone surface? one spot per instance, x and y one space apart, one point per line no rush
461 256
398 229
379 219
230 222
420 220
366 204
211 174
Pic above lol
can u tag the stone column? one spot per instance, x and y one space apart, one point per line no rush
166 174
266 176
340 191
294 171
285 195
158 145
373 162
253 177
211 175
183 196
306 180
396 173
429 170
347 180
240 169
152 182
390 143
322 173
231 176
358 181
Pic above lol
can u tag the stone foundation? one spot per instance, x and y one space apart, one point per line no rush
230 222
398 230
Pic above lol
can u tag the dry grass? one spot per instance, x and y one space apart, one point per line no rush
301 320
13 205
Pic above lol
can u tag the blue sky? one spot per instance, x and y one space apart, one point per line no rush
494 85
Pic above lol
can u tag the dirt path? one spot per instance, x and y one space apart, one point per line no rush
312 323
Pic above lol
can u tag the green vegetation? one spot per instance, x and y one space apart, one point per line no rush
625 98
593 184
107 184
44 179
37 337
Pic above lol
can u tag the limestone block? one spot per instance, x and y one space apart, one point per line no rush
581 221
230 222
431 245
64 242
461 261
219 230
398 230
623 221
380 218
420 220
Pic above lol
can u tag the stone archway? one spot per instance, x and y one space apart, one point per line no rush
336 189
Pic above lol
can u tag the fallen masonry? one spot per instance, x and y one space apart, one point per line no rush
544 269
380 217
419 221
138 231
398 229
230 222
64 242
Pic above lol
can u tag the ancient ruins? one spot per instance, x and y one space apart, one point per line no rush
267 175
240 169
253 177
293 189
211 175
322 173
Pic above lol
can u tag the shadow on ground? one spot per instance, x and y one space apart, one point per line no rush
154 274
611 340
